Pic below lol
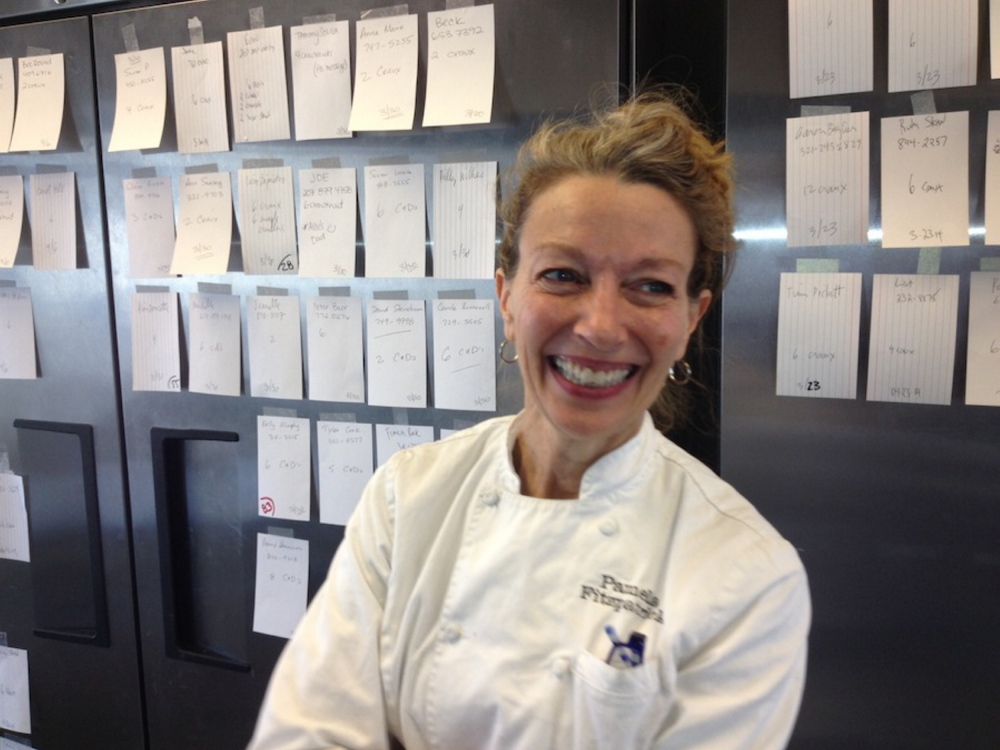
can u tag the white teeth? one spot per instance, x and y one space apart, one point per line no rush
586 377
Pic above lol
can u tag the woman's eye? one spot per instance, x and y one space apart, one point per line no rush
657 287
564 275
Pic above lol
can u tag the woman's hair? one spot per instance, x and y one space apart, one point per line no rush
648 139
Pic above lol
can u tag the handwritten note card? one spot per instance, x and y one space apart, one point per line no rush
321 80
53 220
991 199
925 180
149 223
336 349
15 706
41 93
826 195
156 353
11 217
385 84
830 45
281 589
392 438
267 220
328 222
397 353
7 102
283 451
460 66
17 335
141 100
257 86
346 464
933 44
13 519
994 34
204 224
395 219
214 352
200 98
465 220
464 355
982 383
912 353
275 346
819 316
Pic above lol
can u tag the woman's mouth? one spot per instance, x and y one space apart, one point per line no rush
588 378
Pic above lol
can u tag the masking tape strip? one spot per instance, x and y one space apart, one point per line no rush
815 110
130 37
392 10
196 31
923 103
817 265
989 264
256 18
328 18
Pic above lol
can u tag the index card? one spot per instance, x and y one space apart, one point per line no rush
397 353
345 465
328 222
204 224
994 39
991 199
53 220
283 468
156 351
257 85
15 706
925 180
912 353
819 316
982 383
336 349
141 100
267 220
933 44
13 519
465 220
41 92
281 588
321 80
200 98
395 218
830 45
215 353
392 438
460 66
11 217
385 83
826 195
7 102
17 335
464 359
149 224
275 334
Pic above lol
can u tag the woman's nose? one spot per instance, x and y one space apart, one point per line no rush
601 318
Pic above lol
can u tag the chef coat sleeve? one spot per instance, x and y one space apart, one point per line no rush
326 689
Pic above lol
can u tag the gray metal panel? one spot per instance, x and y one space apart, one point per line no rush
893 507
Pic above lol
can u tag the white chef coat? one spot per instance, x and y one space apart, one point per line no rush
459 614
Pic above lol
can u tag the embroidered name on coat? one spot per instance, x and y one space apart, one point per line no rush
621 595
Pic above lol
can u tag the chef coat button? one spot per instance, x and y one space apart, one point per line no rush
609 527
561 667
490 499
451 633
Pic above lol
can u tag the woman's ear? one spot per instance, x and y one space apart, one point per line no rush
503 295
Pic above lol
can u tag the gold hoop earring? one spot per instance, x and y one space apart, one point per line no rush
680 373
503 346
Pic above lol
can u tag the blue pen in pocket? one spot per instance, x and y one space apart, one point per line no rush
624 655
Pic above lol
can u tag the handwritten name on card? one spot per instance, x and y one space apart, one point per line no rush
274 330
257 85
200 98
460 67
328 220
336 349
321 80
397 353
156 354
15 704
464 220
464 355
395 218
346 463
141 100
392 438
267 220
149 225
11 217
281 585
17 335
385 83
53 220
283 468
41 93
982 384
204 224
7 102
215 352
13 519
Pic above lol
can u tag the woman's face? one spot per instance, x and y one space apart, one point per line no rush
599 308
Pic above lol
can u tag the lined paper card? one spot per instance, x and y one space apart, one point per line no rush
830 45
204 224
991 198
7 102
392 438
982 383
156 351
214 352
13 519
275 343
460 66
267 220
15 705
257 87
321 80
281 587
933 44
346 463
395 220
283 467
465 219
925 180
385 83
53 220
994 34
149 225
328 222
464 359
11 217
911 356
200 98
819 316
397 353
41 93
140 100
336 349
17 335
826 193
